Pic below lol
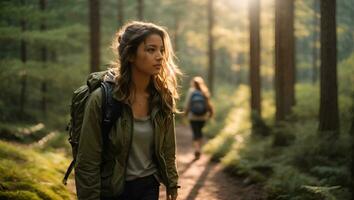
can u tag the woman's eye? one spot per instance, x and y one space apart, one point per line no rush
151 50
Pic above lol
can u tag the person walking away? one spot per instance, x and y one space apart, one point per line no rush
198 108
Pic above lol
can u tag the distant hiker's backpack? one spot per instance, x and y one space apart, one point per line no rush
198 103
111 110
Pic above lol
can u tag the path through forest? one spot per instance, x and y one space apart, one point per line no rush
205 180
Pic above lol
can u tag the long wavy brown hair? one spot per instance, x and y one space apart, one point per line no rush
125 45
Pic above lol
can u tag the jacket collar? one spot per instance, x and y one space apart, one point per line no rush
156 101
155 98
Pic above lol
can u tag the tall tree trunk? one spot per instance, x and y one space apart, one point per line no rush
94 35
211 46
329 117
255 56
175 38
23 73
315 41
44 57
140 9
120 13
284 58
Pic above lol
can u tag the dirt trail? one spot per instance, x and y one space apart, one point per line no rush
205 180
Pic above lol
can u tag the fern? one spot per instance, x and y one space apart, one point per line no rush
322 192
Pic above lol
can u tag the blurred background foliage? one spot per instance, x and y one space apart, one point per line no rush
67 41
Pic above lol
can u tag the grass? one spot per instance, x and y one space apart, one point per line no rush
27 173
226 137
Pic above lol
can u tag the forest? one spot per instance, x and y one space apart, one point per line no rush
280 73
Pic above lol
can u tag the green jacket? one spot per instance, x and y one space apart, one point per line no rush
98 174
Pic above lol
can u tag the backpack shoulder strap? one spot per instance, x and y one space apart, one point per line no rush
111 110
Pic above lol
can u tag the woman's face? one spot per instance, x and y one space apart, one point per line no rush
149 56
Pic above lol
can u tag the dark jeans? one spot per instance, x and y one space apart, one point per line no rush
145 188
197 127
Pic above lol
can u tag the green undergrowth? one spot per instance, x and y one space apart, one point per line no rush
23 133
223 141
293 162
222 105
32 134
30 173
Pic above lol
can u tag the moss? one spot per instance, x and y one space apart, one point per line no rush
62 191
11 171
37 172
42 191
18 195
8 151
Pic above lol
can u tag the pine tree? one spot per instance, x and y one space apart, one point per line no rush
328 116
284 58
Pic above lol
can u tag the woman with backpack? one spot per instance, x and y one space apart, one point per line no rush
141 148
198 109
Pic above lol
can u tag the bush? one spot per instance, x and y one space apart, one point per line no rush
287 182
283 135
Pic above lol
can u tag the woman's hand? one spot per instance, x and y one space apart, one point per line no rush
171 196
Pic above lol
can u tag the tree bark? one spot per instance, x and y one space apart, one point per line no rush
44 58
94 35
284 58
120 13
23 91
255 56
140 8
210 46
329 116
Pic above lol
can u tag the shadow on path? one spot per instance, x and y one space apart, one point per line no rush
199 183
186 167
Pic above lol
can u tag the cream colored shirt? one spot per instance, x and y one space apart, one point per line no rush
140 162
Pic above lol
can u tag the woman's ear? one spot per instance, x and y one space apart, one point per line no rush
131 58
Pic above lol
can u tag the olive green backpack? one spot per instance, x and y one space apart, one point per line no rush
111 110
